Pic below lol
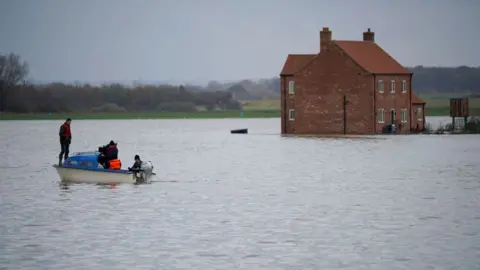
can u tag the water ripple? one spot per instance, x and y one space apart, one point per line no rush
223 201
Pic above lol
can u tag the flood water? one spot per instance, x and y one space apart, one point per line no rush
256 201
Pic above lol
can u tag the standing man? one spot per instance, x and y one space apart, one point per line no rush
65 140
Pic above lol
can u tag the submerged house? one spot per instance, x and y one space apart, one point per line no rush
348 87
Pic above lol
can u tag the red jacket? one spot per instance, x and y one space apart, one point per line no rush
65 132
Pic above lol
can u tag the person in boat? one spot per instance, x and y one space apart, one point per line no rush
65 134
137 164
109 157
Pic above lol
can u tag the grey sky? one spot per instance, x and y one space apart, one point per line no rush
197 41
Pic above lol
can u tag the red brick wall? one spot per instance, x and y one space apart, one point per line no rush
282 104
415 121
319 91
396 101
287 103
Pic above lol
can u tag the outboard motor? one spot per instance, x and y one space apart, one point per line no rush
145 173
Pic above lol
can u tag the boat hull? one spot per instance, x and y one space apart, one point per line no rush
239 131
76 175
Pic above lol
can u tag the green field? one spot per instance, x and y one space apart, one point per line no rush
261 104
437 105
146 115
444 96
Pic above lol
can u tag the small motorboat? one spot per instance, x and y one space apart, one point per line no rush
83 167
239 131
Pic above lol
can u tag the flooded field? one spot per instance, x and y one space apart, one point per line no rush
255 201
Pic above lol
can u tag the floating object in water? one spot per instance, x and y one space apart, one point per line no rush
239 131
84 168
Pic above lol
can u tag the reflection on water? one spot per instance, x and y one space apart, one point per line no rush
64 186
256 201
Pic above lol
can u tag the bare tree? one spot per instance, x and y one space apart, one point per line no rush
12 71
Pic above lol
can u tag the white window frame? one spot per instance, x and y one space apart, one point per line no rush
404 86
290 112
392 86
380 86
404 116
394 114
291 87
420 114
381 115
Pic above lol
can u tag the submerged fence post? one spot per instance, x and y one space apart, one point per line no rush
345 103
2 96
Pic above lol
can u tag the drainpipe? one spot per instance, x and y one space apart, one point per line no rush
284 107
374 104
410 103
344 114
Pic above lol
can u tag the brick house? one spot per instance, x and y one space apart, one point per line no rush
349 87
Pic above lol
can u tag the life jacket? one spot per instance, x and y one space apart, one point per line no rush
67 132
115 164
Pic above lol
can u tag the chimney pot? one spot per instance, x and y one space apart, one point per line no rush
369 36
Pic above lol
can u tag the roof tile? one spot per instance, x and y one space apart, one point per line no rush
295 62
371 57
416 99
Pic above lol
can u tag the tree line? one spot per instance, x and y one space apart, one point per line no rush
462 80
58 97
18 95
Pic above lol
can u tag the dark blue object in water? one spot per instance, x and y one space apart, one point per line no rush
239 131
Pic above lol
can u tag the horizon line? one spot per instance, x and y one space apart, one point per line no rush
186 81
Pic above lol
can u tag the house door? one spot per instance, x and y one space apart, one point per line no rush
392 116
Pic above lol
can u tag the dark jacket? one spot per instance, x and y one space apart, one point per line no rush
112 152
65 133
136 165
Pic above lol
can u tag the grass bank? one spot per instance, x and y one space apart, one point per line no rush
146 115
141 115
436 106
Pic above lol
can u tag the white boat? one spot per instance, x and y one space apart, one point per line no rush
84 168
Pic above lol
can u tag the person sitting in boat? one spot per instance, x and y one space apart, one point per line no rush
136 165
109 157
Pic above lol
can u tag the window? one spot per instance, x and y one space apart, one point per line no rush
88 164
392 86
419 114
72 162
381 116
392 116
404 115
291 114
404 86
380 86
291 87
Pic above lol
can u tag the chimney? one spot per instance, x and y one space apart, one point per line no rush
369 36
325 38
